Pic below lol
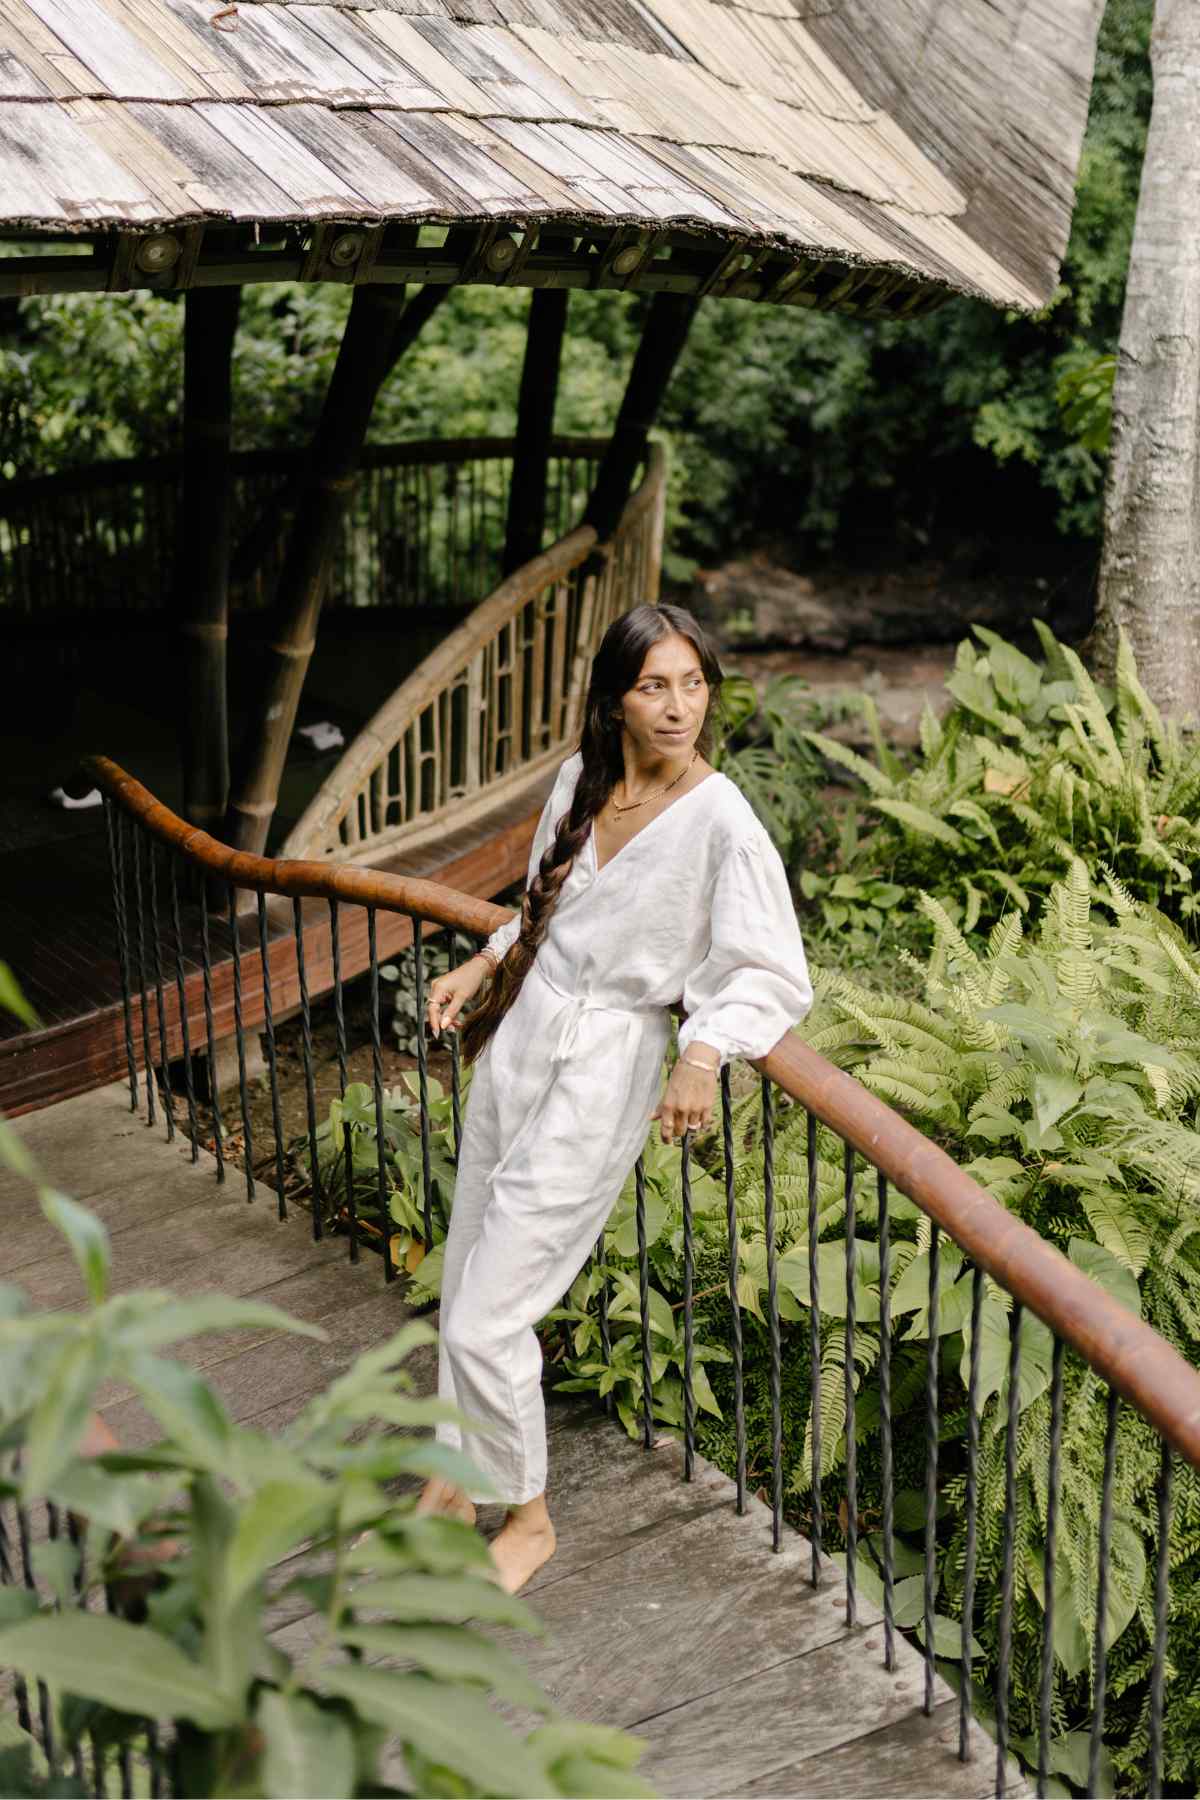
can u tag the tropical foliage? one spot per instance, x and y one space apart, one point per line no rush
216 1535
1033 767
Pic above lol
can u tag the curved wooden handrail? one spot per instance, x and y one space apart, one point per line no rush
286 876
1122 1348
1127 1352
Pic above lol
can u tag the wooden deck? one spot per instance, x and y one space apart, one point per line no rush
668 1614
58 935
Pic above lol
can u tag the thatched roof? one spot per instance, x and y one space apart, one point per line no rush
936 139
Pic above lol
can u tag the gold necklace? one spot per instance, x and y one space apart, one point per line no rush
633 806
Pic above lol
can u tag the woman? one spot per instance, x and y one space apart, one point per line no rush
650 877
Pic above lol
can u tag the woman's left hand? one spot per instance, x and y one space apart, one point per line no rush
687 1102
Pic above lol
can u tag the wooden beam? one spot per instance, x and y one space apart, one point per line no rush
364 360
667 325
202 549
535 426
265 529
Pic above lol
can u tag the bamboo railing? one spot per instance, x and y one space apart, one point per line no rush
489 714
424 527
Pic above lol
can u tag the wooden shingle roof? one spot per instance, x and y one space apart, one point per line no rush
932 141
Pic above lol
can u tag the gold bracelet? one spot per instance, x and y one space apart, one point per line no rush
709 1068
489 957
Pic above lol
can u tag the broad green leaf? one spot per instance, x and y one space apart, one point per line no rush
129 1667
921 821
1053 1095
625 1239
16 1603
184 1405
1036 1350
448 1725
13 1000
14 1153
275 1520
186 1316
446 1600
103 1497
308 1750
1102 1267
56 1563
911 1292
947 1636
441 1546
61 1414
453 1653
86 1237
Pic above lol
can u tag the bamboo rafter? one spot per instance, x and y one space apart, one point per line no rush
490 713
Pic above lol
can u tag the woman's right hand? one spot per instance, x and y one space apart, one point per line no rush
449 993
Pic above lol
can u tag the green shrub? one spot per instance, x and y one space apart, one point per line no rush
1032 767
238 1524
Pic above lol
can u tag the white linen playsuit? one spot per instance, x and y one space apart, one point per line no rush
696 905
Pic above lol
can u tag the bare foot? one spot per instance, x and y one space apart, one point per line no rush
520 1548
448 1502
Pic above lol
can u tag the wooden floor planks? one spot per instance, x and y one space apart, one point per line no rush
666 1612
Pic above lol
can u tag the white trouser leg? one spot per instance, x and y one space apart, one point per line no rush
511 1277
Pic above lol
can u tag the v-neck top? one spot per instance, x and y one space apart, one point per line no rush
695 906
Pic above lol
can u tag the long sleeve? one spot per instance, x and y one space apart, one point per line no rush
753 984
505 935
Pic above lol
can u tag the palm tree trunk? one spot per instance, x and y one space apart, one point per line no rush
1150 572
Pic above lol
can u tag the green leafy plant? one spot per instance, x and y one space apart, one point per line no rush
351 1129
218 1527
1033 766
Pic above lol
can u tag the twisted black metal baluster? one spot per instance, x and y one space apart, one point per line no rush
185 1031
45 1715
1046 1681
418 953
972 1511
931 1461
602 1312
339 1013
455 1065
8 1579
1162 1599
814 1344
1104 1551
118 889
310 1086
140 967
887 1477
168 1099
272 1060
639 1189
152 1757
768 1142
389 1270
1004 1657
240 1036
213 1096
689 1395
848 1390
735 1311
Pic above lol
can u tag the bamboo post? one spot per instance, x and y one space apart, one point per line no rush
202 549
667 325
364 360
526 527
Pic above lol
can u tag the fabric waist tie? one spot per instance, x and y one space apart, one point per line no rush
570 1020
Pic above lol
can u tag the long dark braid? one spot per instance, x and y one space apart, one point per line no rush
615 669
